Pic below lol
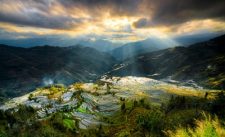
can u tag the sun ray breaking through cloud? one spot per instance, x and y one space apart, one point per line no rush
111 20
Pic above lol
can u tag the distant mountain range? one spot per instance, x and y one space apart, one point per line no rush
154 44
202 62
105 45
100 45
187 40
23 69
145 46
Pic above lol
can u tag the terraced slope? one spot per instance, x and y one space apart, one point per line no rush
89 103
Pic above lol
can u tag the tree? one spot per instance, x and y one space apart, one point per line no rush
123 106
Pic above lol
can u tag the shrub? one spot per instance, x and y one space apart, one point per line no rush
208 127
56 89
78 86
123 106
152 121
3 134
124 134
177 102
218 105
69 124
30 96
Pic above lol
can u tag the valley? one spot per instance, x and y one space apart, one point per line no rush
24 69
112 68
89 104
62 93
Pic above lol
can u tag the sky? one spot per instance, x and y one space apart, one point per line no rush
118 21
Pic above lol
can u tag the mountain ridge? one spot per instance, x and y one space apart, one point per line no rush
22 69
44 65
132 49
203 62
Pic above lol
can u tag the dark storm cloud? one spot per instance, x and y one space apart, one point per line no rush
40 20
115 7
35 13
143 22
155 12
169 12
151 12
176 11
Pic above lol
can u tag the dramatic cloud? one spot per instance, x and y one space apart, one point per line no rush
35 13
112 19
143 22
169 12
113 7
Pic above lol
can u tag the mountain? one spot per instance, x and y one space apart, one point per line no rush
190 39
202 62
98 44
23 69
135 48
112 106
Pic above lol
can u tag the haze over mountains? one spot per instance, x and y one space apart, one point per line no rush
202 62
99 44
23 69
112 68
149 45
105 45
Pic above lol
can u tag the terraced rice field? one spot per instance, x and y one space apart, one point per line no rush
89 102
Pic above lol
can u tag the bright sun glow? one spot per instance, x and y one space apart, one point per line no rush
115 23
